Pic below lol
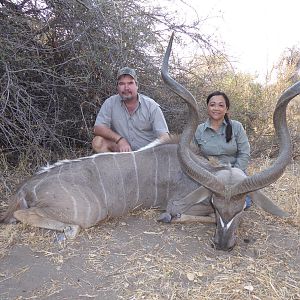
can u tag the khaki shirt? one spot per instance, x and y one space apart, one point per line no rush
212 143
142 127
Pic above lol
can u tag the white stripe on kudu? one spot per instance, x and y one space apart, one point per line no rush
137 180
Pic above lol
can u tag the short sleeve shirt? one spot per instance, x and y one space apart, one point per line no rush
140 128
212 143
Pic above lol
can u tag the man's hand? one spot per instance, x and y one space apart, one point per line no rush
123 146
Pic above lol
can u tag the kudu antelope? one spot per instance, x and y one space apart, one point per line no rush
80 193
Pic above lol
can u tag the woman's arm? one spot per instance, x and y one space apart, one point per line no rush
243 148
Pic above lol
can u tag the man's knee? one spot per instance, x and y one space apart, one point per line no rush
97 144
100 144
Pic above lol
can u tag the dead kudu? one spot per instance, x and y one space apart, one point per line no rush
75 194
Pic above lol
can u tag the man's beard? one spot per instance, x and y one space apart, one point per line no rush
127 97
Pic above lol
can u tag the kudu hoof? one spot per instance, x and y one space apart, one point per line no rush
60 238
165 218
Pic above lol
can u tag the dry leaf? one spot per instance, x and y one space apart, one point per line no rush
249 288
190 276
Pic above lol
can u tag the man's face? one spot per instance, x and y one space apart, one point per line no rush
127 87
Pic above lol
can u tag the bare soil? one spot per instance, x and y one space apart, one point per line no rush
134 257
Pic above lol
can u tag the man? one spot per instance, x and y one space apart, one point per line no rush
129 120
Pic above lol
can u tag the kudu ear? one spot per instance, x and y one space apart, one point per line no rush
261 200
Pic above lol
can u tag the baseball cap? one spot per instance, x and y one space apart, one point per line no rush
127 71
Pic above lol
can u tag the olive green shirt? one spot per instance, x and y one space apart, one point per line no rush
140 128
212 143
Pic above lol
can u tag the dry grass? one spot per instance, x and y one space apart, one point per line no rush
137 258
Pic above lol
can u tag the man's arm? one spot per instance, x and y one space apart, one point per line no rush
118 142
160 126
163 136
107 133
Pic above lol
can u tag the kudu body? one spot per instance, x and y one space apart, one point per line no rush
80 193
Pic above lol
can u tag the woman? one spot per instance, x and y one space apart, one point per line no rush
221 137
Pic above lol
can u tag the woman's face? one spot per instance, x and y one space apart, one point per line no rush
216 108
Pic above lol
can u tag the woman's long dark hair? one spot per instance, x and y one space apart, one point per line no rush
226 117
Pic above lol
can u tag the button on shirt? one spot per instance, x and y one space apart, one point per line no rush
140 128
212 143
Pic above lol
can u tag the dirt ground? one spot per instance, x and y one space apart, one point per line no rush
134 257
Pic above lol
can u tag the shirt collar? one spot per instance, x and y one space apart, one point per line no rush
207 124
124 106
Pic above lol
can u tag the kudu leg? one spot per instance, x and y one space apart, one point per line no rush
185 204
191 208
184 218
35 217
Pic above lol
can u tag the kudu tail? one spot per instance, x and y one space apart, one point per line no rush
15 203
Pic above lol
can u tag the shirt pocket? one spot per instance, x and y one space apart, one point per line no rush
141 122
199 140
230 148
208 147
